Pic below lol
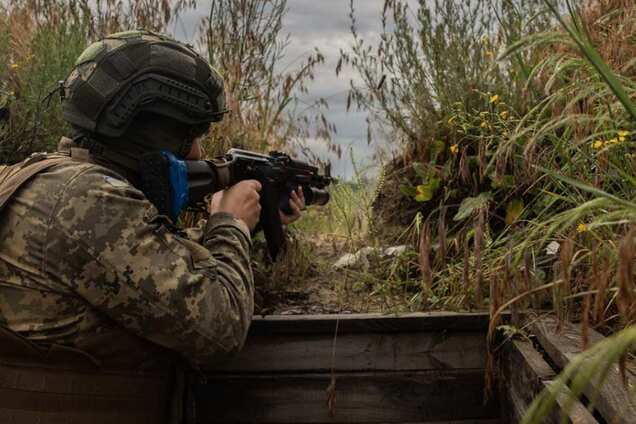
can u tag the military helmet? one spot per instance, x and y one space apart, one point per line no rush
130 72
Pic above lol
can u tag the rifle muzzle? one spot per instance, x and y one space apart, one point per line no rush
316 196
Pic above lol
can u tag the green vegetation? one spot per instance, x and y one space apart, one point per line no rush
521 173
516 186
531 143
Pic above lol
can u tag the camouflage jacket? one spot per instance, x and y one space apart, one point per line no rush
87 262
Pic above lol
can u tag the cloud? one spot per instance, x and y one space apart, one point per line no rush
322 24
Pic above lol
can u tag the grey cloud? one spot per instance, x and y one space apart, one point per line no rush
324 24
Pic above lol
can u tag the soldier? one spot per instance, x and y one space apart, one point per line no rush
100 296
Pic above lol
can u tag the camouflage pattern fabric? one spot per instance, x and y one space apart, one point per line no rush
87 262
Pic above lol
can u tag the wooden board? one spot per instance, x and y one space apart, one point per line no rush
526 374
359 352
360 398
414 368
575 412
613 401
369 323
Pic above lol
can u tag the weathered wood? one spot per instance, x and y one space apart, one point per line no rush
360 352
611 399
369 323
574 410
526 375
360 398
513 406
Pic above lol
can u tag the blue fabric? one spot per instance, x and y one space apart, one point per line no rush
178 172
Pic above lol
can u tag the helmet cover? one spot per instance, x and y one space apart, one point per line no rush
126 73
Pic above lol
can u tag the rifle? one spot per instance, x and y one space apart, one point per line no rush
172 184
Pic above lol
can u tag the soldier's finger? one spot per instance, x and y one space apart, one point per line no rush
256 185
295 209
301 194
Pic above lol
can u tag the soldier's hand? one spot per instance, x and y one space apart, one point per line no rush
296 204
240 200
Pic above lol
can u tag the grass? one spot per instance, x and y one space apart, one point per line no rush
521 179
516 119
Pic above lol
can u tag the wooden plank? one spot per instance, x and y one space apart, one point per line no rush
370 323
514 407
360 398
359 352
526 375
576 413
612 399
524 371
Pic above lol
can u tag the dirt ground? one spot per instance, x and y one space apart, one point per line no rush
306 282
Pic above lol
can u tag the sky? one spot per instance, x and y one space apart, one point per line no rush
323 24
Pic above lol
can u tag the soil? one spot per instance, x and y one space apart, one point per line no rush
311 285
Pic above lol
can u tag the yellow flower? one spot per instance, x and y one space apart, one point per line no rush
613 141
581 228
598 145
14 66
484 124
489 53
504 114
494 98
623 133
454 149
483 115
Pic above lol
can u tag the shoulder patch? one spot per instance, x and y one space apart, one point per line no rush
115 182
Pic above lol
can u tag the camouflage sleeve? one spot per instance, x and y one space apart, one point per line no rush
129 263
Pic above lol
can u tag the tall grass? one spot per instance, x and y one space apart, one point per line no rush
527 141
40 41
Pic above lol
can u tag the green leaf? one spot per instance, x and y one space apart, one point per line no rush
425 192
407 190
471 204
420 170
514 211
437 147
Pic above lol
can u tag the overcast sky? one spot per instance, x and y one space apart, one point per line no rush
323 24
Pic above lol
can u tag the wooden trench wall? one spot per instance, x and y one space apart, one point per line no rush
415 368
530 366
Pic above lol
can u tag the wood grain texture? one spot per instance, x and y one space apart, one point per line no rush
526 375
359 352
360 398
574 410
612 399
370 323
414 368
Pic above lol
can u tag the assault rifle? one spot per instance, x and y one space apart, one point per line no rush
190 182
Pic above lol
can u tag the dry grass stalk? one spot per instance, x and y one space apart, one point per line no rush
425 256
625 300
625 273
478 245
585 321
512 284
441 237
600 287
566 254
465 246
